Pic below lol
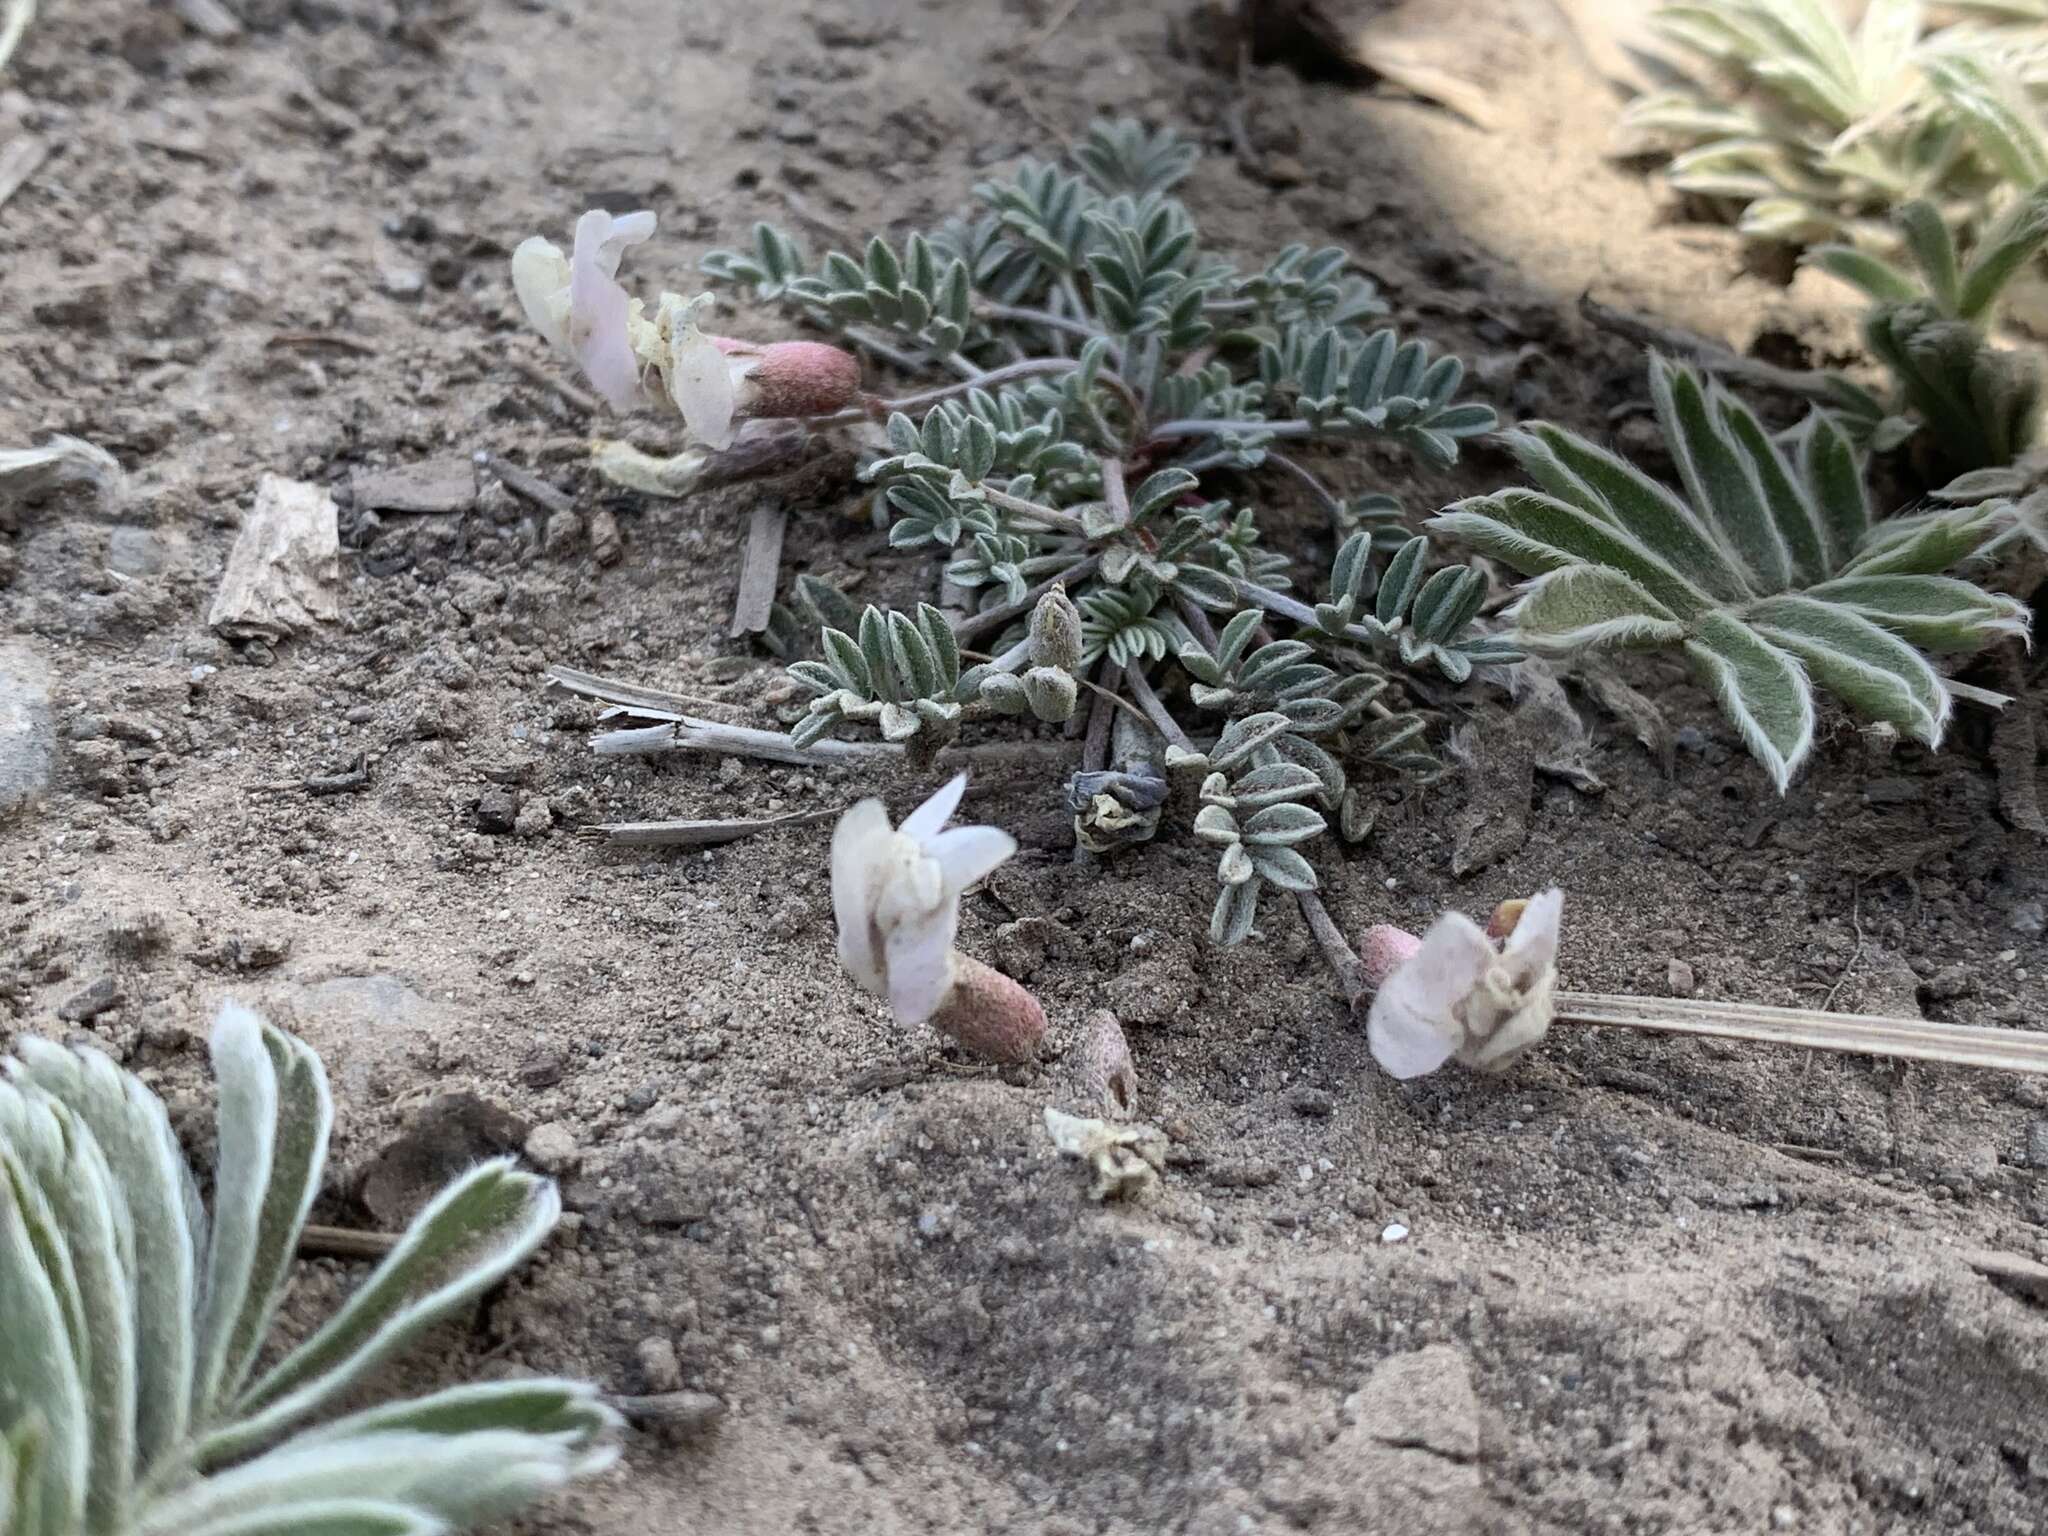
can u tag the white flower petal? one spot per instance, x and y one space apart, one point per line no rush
1532 948
1404 1043
923 824
919 959
699 377
600 314
540 277
967 854
626 231
1413 1027
859 851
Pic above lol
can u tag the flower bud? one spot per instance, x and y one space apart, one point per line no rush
1056 632
990 1014
798 378
1108 1080
1004 693
1051 692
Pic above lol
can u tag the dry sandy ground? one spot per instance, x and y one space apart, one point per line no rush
1647 1286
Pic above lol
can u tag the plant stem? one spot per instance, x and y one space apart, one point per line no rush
1101 715
1301 613
1030 368
1342 958
1155 711
868 342
1045 317
1114 493
691 735
1052 517
1964 1045
1197 620
1197 427
1301 472
994 619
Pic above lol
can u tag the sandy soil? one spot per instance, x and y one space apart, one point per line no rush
1646 1286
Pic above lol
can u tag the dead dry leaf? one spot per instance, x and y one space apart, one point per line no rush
284 572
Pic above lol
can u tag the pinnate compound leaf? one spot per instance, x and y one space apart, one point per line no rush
1236 907
157 1204
329 1517
1871 669
1591 607
1762 690
1283 867
471 1235
1716 474
1938 613
1535 533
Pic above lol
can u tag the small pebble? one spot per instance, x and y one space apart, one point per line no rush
660 1370
1678 978
552 1149
1394 1233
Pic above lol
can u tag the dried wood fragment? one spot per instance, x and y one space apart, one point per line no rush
760 569
432 485
2011 1270
284 572
526 485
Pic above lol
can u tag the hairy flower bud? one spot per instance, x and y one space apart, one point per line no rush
798 378
1056 632
1051 692
1004 693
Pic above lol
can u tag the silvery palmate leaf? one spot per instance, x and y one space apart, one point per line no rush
1766 571
131 1323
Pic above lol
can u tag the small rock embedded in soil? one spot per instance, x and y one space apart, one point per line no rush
103 996
536 818
133 551
678 1414
445 1139
28 731
552 1149
2028 917
642 1098
1678 979
497 810
660 1370
1311 1103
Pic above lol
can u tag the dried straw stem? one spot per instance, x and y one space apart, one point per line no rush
1963 1045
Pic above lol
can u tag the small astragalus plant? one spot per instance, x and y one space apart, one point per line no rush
132 1321
1809 129
1766 571
1978 403
1088 373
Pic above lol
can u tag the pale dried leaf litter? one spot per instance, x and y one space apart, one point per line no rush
284 572
1126 1160
713 382
27 472
896 896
